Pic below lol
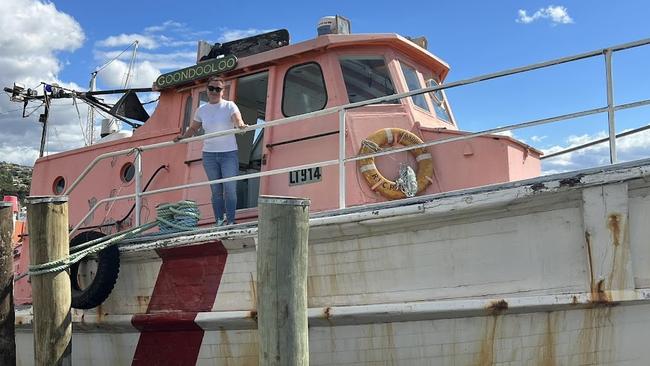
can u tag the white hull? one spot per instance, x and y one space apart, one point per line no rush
550 271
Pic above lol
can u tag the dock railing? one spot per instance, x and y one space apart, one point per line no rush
610 108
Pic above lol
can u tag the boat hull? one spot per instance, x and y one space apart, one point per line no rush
548 271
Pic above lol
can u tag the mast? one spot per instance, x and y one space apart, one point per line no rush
90 126
43 119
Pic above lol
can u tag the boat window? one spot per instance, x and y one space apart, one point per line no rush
366 77
304 90
187 115
439 104
250 98
413 83
59 185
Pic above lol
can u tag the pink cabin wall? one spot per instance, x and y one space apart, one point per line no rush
105 180
523 162
479 161
456 165
360 123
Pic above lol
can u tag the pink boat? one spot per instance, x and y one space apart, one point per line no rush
375 245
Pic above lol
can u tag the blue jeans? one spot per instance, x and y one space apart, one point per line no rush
220 165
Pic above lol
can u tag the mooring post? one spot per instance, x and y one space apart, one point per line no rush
7 316
282 281
47 220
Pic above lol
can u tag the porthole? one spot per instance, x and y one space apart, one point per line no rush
59 185
127 172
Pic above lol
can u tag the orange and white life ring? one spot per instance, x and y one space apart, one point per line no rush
391 136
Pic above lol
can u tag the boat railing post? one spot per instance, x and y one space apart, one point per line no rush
138 185
342 158
51 295
7 316
610 106
283 233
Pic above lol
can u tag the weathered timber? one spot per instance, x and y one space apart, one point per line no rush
48 236
282 281
7 317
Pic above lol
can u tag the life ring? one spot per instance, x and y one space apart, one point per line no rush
391 136
108 268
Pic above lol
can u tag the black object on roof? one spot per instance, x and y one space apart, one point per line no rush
250 45
129 106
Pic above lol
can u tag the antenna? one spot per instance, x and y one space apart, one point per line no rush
90 126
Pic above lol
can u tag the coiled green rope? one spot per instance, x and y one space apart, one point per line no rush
170 217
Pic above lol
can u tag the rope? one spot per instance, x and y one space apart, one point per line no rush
171 217
181 216
407 181
371 145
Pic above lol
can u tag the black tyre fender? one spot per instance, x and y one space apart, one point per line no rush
108 268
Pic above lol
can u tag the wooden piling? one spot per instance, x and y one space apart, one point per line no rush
7 316
282 281
47 219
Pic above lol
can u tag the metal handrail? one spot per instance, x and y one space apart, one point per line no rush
610 108
364 103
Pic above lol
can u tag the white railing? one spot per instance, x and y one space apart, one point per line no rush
610 108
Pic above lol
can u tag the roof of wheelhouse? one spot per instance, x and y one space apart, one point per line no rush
339 41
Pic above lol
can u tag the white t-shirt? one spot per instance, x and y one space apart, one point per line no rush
217 117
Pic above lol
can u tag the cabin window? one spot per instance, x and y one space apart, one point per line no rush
59 185
413 83
439 102
366 77
304 90
187 115
250 98
127 172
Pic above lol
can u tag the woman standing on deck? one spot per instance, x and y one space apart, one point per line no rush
220 157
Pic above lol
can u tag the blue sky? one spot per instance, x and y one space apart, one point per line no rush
64 41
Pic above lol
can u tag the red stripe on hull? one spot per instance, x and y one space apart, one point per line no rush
187 283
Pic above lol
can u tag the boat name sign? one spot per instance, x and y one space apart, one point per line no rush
198 71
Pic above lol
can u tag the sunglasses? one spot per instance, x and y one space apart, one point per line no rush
214 88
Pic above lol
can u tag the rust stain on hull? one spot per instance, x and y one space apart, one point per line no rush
253 288
486 355
143 303
497 307
596 338
547 348
599 294
617 224
225 350
614 225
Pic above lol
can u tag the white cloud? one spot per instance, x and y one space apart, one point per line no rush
538 138
168 60
511 134
556 14
628 148
33 32
144 41
141 76
170 24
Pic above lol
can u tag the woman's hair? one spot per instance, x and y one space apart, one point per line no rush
215 78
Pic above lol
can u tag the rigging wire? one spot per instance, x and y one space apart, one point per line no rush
115 58
84 132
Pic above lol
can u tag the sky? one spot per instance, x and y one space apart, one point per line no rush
65 41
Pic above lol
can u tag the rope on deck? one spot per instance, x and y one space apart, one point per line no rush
170 218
